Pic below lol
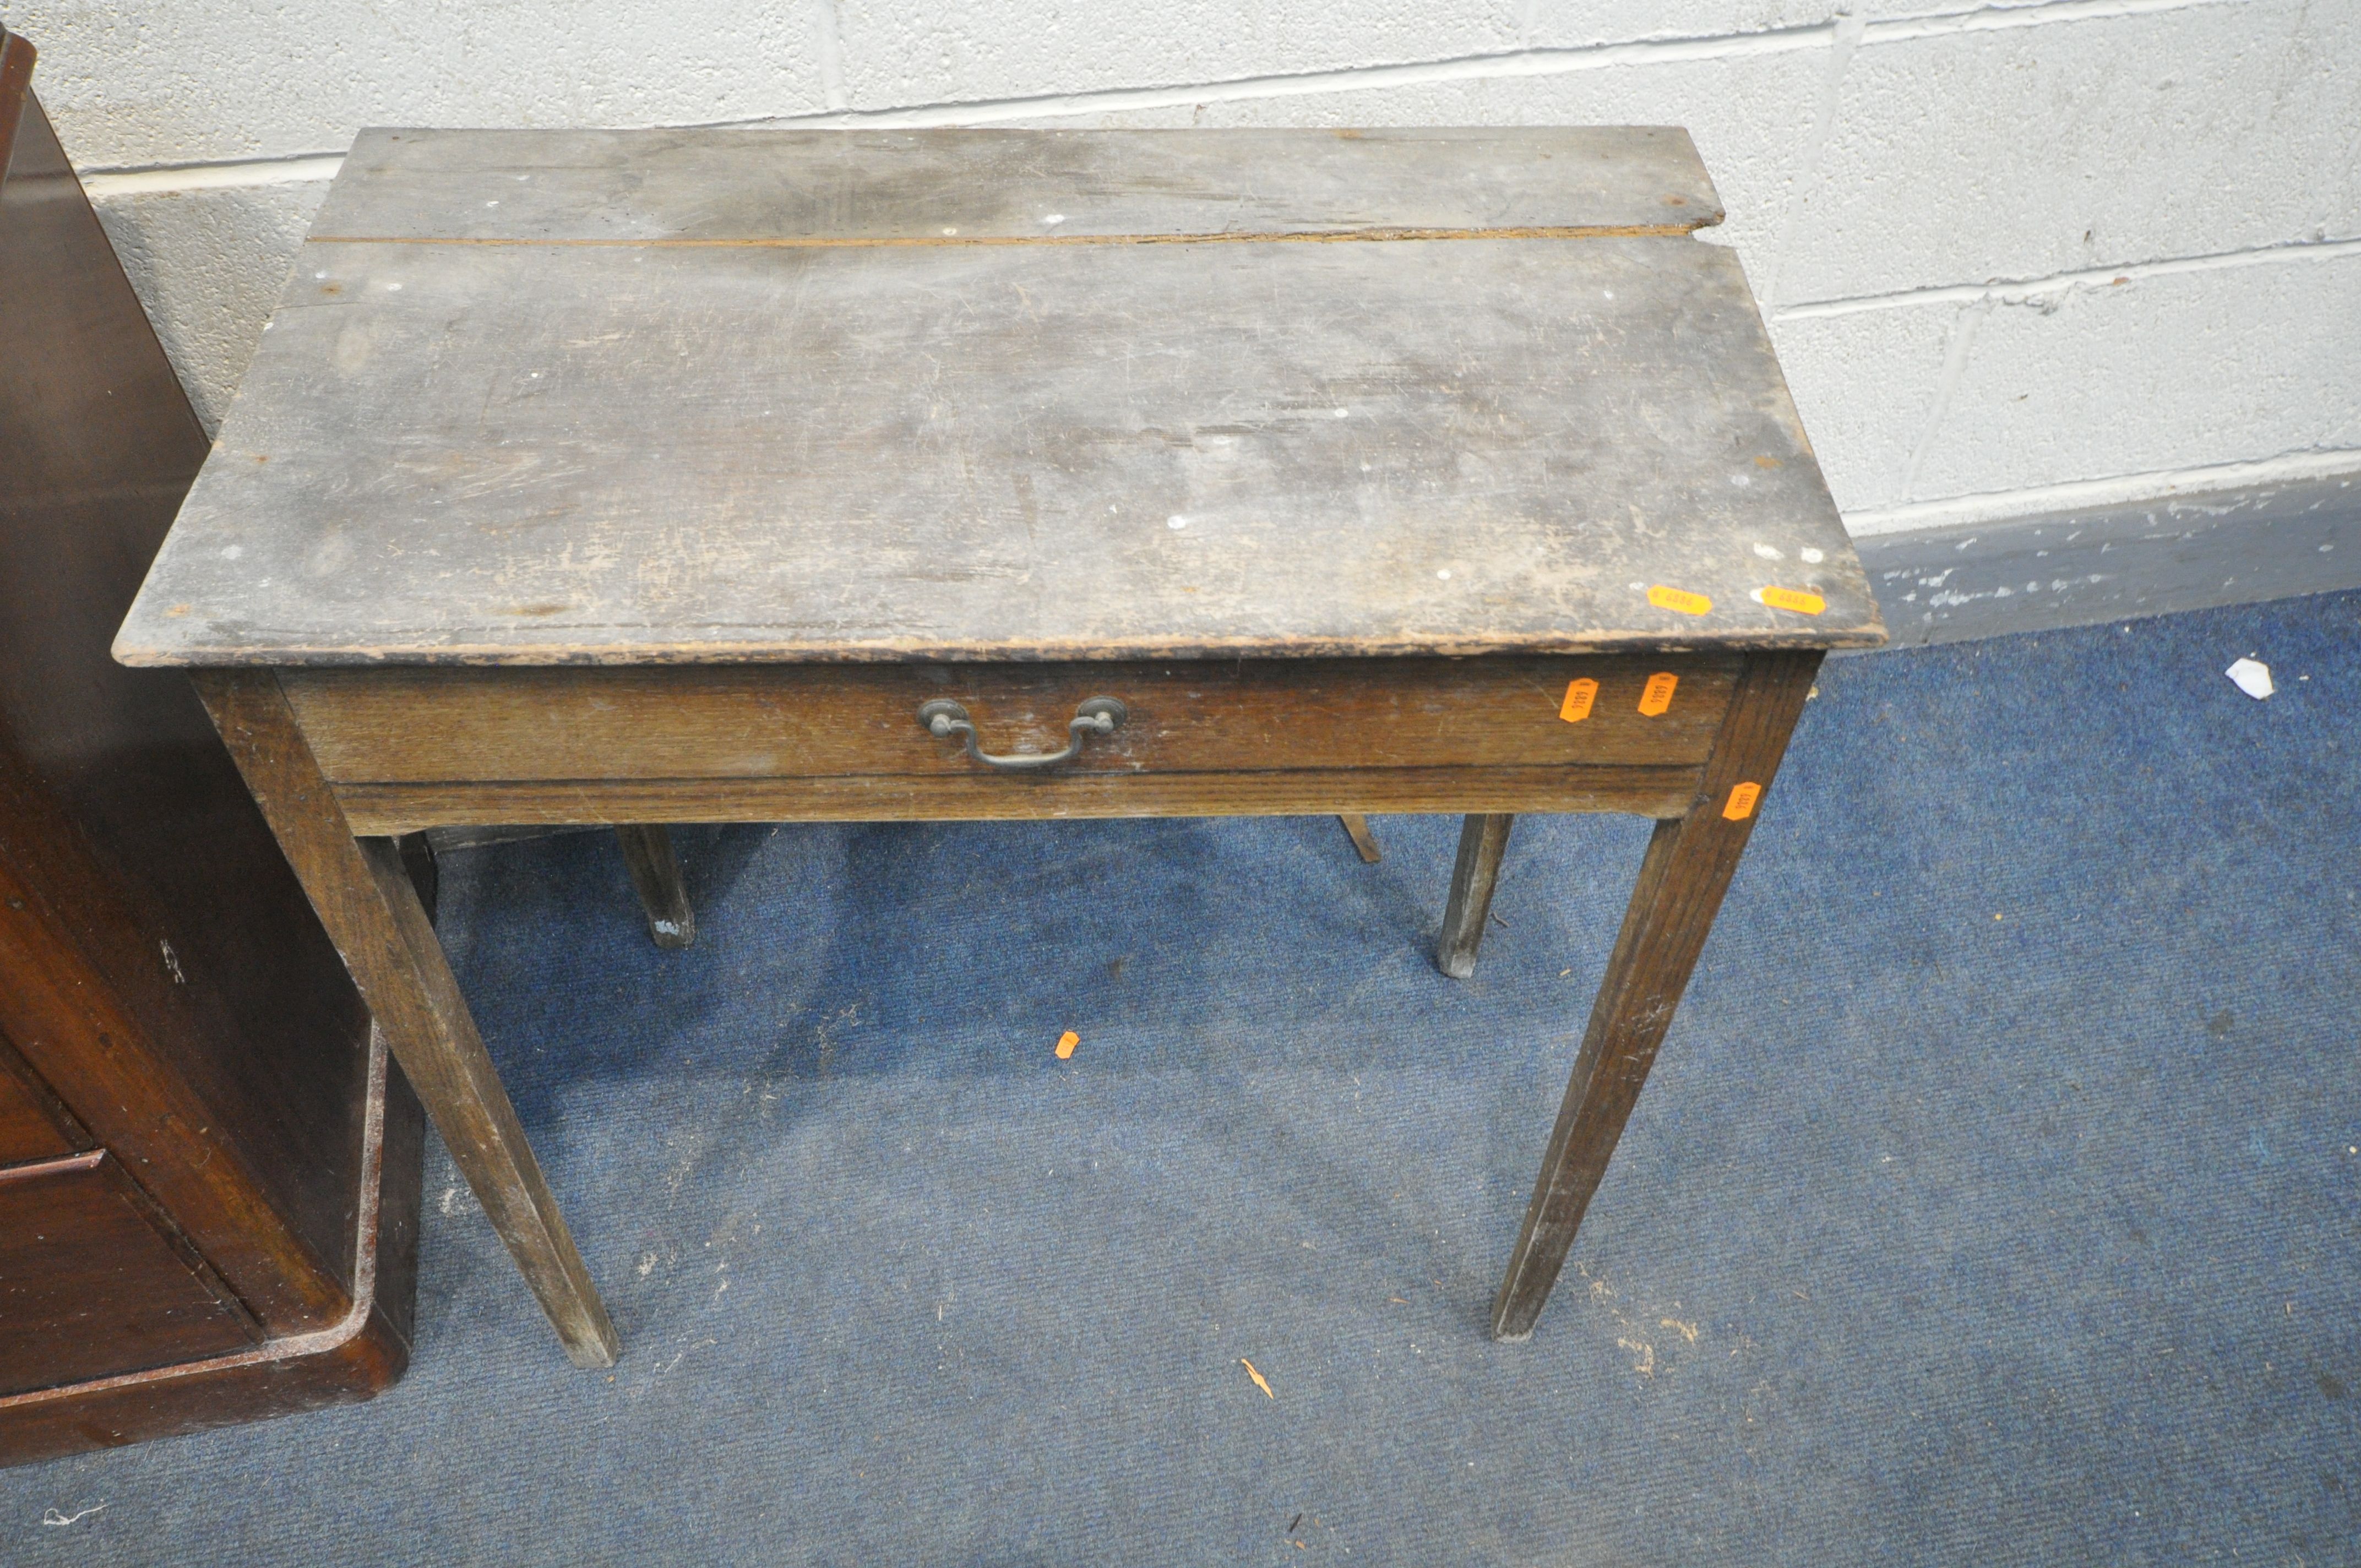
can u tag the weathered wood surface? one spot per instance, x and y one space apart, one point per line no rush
1687 868
978 186
552 453
455 726
1658 790
364 897
1475 877
655 877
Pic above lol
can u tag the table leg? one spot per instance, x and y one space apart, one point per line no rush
1686 869
1483 840
1365 843
655 872
364 898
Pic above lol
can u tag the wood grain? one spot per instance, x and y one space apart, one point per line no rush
349 1360
1475 876
955 187
364 898
422 726
1689 862
655 877
1365 843
1656 791
90 1282
536 454
34 1123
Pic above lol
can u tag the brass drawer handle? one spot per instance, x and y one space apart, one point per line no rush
1098 716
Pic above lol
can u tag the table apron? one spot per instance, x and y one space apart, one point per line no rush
1660 790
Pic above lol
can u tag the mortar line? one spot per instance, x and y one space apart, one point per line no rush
1845 38
2012 289
827 26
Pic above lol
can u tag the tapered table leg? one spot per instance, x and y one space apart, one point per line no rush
364 898
1483 840
655 873
1365 843
1687 868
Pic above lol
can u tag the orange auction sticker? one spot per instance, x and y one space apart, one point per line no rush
1579 696
1680 599
1742 801
1657 694
1798 599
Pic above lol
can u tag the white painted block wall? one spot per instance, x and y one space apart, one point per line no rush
2016 257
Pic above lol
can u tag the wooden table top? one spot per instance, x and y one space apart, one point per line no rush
661 397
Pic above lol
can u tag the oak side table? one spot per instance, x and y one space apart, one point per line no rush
714 475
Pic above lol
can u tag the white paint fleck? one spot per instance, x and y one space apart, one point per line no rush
393 287
232 552
1743 481
1444 574
2251 676
1813 555
1609 292
319 274
1344 414
1176 521
951 231
494 203
1053 218
1365 467
1770 552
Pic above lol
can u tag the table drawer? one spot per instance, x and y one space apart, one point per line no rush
386 734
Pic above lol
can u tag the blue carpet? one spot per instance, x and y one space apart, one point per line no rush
1995 1199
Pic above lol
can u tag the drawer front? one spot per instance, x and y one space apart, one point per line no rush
90 1285
455 726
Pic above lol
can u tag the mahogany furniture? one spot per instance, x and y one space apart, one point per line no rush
728 476
208 1171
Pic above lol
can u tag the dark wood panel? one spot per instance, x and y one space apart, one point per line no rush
351 1360
34 1125
391 810
449 726
89 1285
177 992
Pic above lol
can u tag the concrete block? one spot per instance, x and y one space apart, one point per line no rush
172 82
904 52
2030 152
209 266
2181 371
1866 383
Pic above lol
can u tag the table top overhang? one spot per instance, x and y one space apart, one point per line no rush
545 397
